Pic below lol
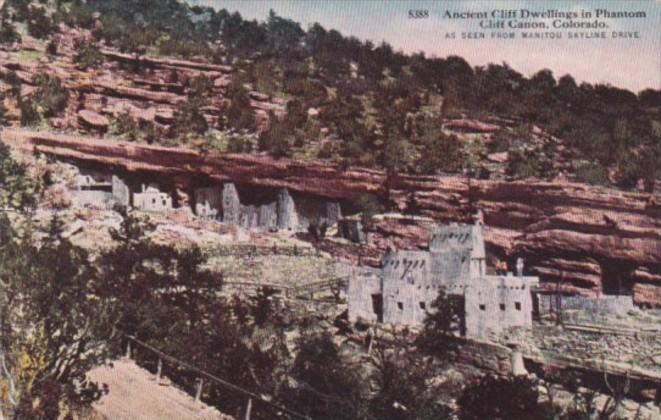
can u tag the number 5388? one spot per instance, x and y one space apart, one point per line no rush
418 14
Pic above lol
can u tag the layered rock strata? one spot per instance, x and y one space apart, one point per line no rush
576 237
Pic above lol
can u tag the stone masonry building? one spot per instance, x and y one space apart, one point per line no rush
152 199
402 291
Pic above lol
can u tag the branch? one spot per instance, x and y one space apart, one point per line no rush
12 386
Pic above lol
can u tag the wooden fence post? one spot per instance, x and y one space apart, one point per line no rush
198 390
248 409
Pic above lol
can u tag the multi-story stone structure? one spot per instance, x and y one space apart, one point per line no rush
96 189
152 199
409 281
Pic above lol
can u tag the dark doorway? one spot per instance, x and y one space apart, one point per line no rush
377 306
616 278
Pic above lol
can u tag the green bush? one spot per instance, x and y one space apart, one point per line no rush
87 55
240 114
279 139
8 33
39 24
14 82
592 173
188 120
441 153
51 48
184 49
51 97
501 398
528 159
369 206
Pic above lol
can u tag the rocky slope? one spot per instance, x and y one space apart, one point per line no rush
576 237
148 89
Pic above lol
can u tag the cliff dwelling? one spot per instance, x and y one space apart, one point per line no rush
233 203
403 290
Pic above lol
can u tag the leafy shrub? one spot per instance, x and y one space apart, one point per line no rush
188 120
8 33
441 153
184 49
529 160
638 165
127 127
14 82
240 114
279 139
239 145
18 189
501 398
51 48
87 55
442 324
78 15
39 24
592 173
369 205
51 97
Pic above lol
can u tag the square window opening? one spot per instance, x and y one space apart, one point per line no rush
502 306
483 307
400 305
423 305
517 306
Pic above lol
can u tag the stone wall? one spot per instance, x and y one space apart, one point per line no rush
459 251
605 304
151 199
407 287
120 192
594 306
284 211
287 215
91 198
98 189
363 294
209 202
494 303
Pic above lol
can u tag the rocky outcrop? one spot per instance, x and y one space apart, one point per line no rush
165 62
578 236
93 120
470 126
147 88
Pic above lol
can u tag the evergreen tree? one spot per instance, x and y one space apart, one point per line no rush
87 55
55 328
17 189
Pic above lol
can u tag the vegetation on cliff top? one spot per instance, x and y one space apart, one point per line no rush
355 102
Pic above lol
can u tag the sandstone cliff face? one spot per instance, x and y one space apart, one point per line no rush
576 237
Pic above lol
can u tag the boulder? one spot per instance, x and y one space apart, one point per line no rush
91 119
500 157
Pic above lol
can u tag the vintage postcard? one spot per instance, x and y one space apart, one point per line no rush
330 210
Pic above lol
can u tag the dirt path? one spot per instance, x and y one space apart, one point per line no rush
136 395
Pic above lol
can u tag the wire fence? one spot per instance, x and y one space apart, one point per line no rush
261 251
202 376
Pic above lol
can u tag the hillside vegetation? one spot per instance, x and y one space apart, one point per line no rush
357 103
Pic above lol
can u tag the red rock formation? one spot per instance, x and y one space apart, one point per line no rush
153 93
572 233
471 126
93 120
